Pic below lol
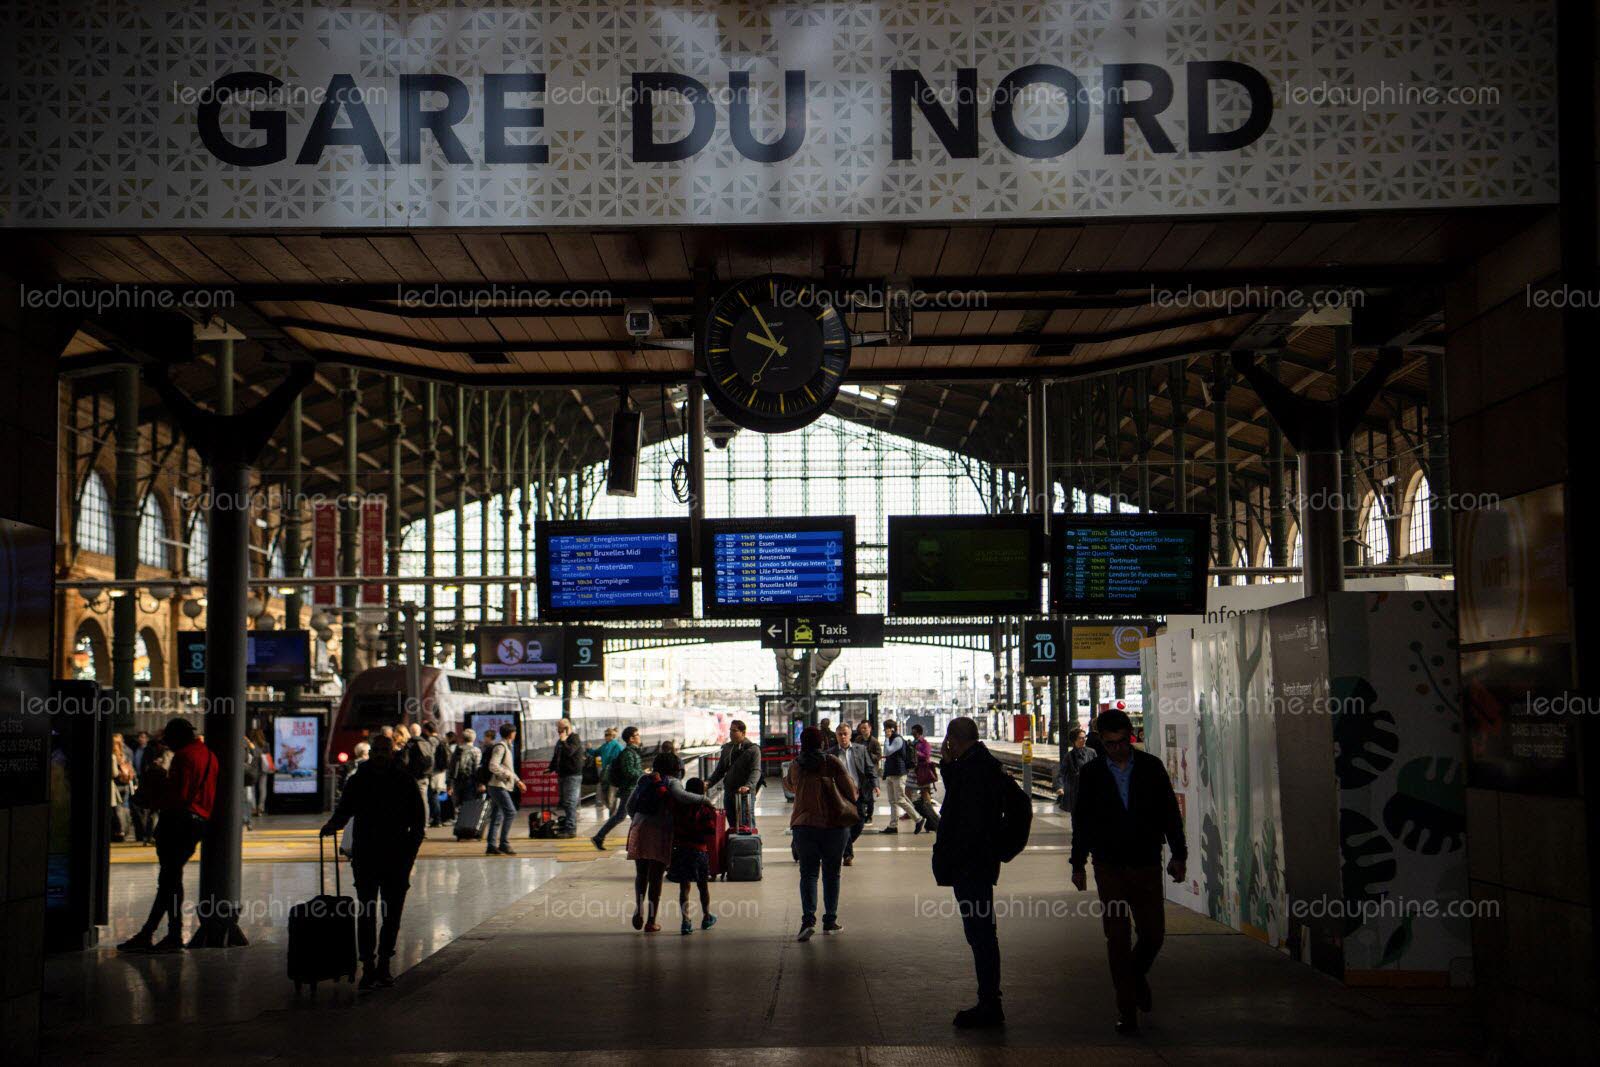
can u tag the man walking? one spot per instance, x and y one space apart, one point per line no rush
863 772
183 798
503 782
605 794
419 757
975 836
566 763
1070 769
625 770
1125 808
739 770
390 824
899 760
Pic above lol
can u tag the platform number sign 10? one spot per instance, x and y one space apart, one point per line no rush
1045 645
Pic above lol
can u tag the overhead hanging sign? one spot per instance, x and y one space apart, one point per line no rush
324 550
222 114
372 560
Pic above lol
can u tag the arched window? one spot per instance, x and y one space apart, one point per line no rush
1375 531
1419 517
1297 550
141 659
92 532
275 563
154 551
197 547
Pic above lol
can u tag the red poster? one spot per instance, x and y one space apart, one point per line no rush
324 550
372 559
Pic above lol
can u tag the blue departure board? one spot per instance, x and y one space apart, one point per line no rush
1152 564
775 566
618 568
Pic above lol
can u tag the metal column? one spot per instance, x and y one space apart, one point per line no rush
1221 485
1141 423
461 524
349 521
485 454
1344 376
506 594
397 430
1178 394
292 566
526 481
1113 445
430 509
1438 460
125 539
1277 517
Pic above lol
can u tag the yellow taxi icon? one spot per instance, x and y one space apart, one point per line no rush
802 634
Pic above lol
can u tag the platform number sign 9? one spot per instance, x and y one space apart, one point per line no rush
1044 646
585 660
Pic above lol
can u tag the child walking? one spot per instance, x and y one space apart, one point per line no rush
693 828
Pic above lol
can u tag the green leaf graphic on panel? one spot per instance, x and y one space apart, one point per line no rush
1399 941
1366 864
1365 740
1427 813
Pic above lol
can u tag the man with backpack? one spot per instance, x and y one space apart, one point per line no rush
498 774
623 772
419 762
566 763
1124 809
984 822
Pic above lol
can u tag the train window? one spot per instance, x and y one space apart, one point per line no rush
468 685
368 712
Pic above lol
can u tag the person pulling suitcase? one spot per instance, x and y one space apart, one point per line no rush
391 822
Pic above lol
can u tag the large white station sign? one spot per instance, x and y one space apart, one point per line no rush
257 114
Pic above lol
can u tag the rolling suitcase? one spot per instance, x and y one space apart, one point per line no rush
717 858
743 848
930 814
470 819
322 932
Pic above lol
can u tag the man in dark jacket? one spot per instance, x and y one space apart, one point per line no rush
739 770
420 757
964 857
1125 808
391 820
625 770
566 763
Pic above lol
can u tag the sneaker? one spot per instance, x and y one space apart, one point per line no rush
890 829
652 928
831 927
491 851
173 942
687 928
806 931
139 942
598 843
918 828
708 922
507 850
981 1016
638 921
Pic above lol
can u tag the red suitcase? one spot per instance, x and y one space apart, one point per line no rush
719 845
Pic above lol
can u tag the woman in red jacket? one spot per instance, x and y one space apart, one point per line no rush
693 828
185 805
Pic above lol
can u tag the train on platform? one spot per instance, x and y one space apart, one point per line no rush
455 700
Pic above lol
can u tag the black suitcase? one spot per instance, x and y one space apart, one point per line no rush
470 819
322 931
743 859
929 813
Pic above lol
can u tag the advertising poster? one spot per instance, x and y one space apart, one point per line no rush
372 561
324 550
1107 648
1512 568
294 750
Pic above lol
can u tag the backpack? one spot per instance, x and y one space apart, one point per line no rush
617 773
1016 819
485 775
441 758
649 794
418 761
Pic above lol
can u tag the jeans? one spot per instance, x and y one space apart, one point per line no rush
249 801
430 797
975 901
501 814
864 811
818 850
372 881
177 834
1132 898
571 787
619 813
605 797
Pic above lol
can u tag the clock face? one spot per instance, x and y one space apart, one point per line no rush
775 353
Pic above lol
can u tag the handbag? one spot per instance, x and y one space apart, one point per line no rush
840 811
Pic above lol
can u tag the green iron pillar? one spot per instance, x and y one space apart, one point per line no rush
507 595
1438 517
292 565
125 539
397 432
1222 484
1277 515
430 507
349 525
486 488
461 526
1178 394
1344 375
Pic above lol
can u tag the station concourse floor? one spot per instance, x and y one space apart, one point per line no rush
531 959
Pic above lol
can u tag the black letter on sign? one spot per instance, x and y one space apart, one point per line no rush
645 148
1143 112
960 138
1010 91
413 120
794 117
209 121
342 93
497 117
1201 75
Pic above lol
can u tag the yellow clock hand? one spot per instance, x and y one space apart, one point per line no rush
780 349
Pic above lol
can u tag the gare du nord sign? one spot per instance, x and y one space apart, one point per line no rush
229 114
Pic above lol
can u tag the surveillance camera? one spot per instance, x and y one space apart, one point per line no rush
639 318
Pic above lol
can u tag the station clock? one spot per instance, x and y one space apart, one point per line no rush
775 352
